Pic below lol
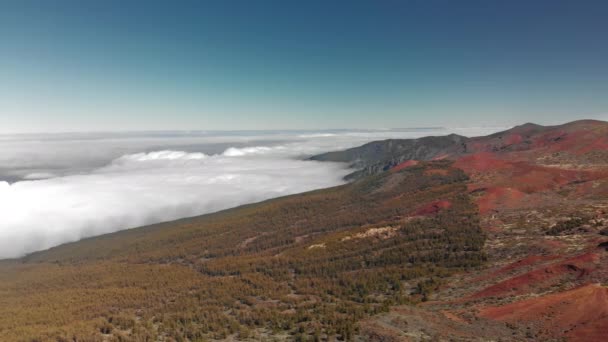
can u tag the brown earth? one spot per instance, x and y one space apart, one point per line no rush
580 314
535 285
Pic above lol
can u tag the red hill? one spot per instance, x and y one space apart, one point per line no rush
580 314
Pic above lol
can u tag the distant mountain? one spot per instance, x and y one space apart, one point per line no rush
378 156
502 237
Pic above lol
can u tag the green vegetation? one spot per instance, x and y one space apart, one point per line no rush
305 267
567 225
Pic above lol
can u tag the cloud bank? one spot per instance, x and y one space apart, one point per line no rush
57 189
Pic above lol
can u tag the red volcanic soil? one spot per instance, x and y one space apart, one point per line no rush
433 208
599 144
577 137
480 162
528 261
514 139
551 244
499 198
580 314
518 179
522 174
533 178
404 165
578 267
507 179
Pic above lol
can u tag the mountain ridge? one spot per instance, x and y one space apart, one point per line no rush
381 155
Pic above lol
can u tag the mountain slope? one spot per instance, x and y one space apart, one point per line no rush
380 155
502 237
310 264
542 196
579 141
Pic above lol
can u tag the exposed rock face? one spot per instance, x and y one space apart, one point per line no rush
380 156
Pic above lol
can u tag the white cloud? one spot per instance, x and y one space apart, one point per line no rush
162 155
39 175
68 187
317 135
239 152
141 189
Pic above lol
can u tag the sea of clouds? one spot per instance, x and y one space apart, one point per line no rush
58 188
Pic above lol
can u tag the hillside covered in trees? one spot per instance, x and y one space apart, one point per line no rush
305 267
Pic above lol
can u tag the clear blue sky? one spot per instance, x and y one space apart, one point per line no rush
141 65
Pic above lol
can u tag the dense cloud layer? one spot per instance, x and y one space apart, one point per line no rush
56 189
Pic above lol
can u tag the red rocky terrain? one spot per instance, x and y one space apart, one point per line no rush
542 194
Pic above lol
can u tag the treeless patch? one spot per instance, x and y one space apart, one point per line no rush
580 314
579 266
404 165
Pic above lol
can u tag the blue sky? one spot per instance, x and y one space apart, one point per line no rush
161 65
